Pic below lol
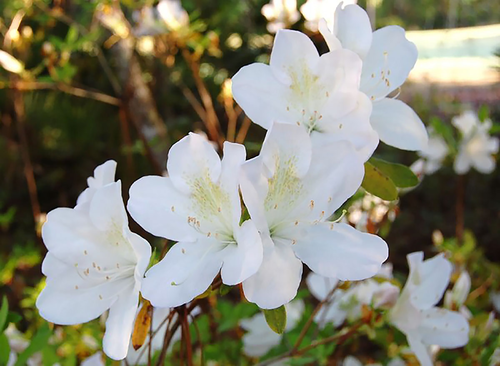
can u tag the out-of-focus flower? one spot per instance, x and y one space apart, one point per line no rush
259 338
10 63
18 343
300 87
353 361
432 156
314 10
290 190
198 205
97 359
113 19
495 357
416 315
173 14
495 300
455 298
280 14
368 213
94 263
477 146
347 304
388 57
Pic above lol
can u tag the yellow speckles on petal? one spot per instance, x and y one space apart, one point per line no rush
93 264
284 186
275 206
98 268
331 226
76 264
76 287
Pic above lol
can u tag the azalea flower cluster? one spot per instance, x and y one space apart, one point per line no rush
476 148
254 222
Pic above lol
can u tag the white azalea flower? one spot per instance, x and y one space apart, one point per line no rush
290 193
94 263
477 146
432 156
173 14
319 93
199 206
388 57
347 304
416 315
259 338
315 10
280 14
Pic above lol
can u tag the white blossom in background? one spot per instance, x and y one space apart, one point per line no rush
315 10
476 146
260 339
18 343
416 315
370 211
495 300
290 191
353 361
347 304
300 87
97 359
388 57
456 297
10 63
280 14
173 14
148 22
113 19
94 262
198 205
432 156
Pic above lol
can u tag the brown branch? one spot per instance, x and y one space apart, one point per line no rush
198 108
339 338
186 336
242 133
68 89
25 154
212 121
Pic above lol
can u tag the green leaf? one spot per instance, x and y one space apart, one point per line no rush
4 349
379 184
38 342
13 317
276 319
483 113
4 311
400 174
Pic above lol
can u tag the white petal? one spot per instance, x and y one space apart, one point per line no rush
185 272
120 324
339 250
66 300
107 211
103 174
292 49
190 158
97 359
330 39
433 276
277 280
462 162
335 175
332 312
484 163
243 259
160 208
398 125
420 350
353 29
262 96
320 286
354 127
234 157
294 311
260 338
445 328
388 63
142 251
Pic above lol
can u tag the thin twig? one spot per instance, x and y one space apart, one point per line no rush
339 338
198 335
198 108
186 336
242 133
212 121
28 166
68 89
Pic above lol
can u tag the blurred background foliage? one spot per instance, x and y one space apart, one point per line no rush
92 89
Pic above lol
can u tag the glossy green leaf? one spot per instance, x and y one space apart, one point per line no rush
4 349
4 311
276 319
400 174
379 184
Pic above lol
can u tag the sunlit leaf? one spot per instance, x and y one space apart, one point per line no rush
400 175
379 184
4 349
276 319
